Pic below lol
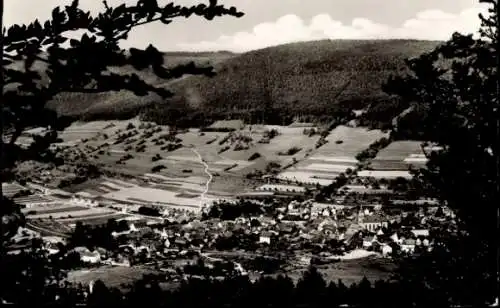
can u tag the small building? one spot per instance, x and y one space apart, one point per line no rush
265 238
88 256
386 250
84 200
369 240
420 232
408 245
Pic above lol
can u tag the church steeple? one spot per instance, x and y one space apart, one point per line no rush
360 214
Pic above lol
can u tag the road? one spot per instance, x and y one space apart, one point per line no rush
207 171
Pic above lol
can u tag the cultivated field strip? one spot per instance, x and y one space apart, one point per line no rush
39 210
73 213
399 155
382 174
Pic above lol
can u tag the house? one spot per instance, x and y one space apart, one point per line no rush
265 238
386 250
328 223
420 232
369 240
395 238
88 256
425 243
372 222
408 245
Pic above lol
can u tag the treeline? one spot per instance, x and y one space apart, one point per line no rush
96 236
179 113
238 291
372 150
381 113
230 211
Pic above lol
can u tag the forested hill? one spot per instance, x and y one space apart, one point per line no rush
307 78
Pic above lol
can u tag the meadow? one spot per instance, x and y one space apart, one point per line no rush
333 158
399 155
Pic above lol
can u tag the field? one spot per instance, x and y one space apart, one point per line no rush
42 210
111 276
10 189
345 142
33 199
399 155
72 213
353 271
332 158
218 149
230 156
385 174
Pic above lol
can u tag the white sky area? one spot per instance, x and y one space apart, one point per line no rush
296 21
426 25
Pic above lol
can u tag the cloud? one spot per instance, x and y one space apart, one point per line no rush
426 25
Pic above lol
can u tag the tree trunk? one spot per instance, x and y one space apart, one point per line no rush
1 102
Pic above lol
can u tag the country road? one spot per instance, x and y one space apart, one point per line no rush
207 171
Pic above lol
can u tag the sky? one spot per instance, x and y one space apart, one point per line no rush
273 22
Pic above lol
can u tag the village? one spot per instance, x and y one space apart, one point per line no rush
267 231
316 206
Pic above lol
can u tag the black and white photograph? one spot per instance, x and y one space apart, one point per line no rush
250 153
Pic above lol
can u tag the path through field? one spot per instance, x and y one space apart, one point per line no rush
207 171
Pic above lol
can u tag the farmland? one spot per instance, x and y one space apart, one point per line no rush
399 155
230 155
333 158
167 172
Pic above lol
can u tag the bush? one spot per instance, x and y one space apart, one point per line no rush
149 211
273 167
224 149
141 148
241 146
254 156
127 157
225 139
211 141
270 134
157 157
230 167
158 168
322 141
373 149
291 151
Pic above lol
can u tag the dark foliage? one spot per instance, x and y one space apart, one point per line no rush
456 106
372 151
149 211
230 211
38 67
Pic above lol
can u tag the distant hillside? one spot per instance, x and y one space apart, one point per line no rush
124 103
304 77
308 78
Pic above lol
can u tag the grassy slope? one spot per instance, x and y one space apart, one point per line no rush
302 77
